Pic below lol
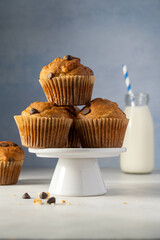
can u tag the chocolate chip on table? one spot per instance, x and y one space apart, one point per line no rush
50 75
43 195
33 111
68 57
11 160
85 111
14 144
4 144
51 200
26 196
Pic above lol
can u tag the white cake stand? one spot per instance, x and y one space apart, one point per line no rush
77 172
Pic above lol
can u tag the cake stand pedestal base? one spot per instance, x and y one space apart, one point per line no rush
78 177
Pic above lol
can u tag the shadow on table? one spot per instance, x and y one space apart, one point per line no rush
33 181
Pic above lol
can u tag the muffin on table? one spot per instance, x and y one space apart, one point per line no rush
44 125
11 160
66 81
101 124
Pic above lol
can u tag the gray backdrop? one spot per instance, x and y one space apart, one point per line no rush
103 33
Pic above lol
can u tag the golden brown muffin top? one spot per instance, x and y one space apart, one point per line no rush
48 109
101 108
68 65
11 152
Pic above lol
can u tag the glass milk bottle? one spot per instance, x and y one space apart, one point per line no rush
139 138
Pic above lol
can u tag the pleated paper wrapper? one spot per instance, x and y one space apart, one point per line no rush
102 133
42 132
73 140
9 172
68 90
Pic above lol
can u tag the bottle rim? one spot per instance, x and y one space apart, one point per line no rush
140 99
141 94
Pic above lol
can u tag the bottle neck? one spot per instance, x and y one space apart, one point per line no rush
140 99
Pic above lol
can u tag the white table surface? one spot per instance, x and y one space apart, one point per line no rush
129 210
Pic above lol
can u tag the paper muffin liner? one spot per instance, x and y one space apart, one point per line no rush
42 132
73 140
9 172
102 133
68 90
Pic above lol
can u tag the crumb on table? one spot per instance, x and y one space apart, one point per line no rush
37 201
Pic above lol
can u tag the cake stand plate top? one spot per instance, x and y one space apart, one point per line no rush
77 152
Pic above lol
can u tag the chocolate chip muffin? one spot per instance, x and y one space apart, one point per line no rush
66 81
101 124
44 125
11 160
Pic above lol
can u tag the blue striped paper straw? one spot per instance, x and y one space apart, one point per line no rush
128 84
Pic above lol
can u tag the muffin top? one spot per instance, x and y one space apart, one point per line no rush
101 108
48 109
66 66
11 152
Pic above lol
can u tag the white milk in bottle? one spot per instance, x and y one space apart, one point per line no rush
139 138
